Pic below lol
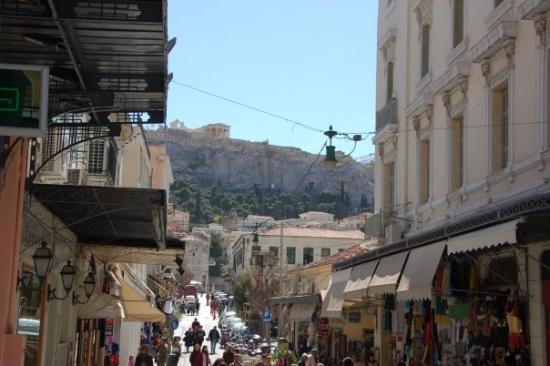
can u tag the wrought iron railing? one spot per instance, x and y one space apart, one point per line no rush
387 115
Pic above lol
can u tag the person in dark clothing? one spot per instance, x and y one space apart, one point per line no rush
228 356
144 359
195 324
188 339
199 336
347 361
214 337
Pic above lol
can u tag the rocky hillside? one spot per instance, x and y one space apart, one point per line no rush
240 165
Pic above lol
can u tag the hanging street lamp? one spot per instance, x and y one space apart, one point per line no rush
330 161
89 286
68 273
42 258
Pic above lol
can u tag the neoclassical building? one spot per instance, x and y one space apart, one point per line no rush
463 160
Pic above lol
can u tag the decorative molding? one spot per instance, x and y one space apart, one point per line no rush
486 71
531 8
541 28
494 40
498 13
424 82
386 44
423 11
446 99
420 104
458 51
456 74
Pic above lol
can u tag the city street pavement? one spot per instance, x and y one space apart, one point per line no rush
207 322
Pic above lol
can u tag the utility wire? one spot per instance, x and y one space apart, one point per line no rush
248 106
309 168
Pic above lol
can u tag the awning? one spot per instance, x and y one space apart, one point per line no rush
486 238
100 306
418 275
359 280
113 253
137 308
127 217
301 312
334 300
298 299
384 280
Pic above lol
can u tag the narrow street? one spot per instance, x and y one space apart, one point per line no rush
207 322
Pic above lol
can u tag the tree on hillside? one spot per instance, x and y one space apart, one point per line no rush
216 254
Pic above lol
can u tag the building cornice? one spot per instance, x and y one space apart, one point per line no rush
494 41
530 206
452 78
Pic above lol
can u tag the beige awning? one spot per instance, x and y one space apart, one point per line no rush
334 299
301 312
359 280
384 280
485 238
416 281
137 308
100 306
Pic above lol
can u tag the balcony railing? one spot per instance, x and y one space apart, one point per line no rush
387 115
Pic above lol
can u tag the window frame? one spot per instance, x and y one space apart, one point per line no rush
456 183
424 169
288 250
425 39
304 255
500 127
455 42
324 255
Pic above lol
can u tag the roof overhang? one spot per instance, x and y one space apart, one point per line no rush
104 56
111 254
298 299
112 216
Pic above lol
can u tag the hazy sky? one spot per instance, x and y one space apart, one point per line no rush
312 61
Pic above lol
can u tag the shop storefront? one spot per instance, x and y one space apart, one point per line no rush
461 301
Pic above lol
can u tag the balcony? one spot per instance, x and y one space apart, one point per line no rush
387 115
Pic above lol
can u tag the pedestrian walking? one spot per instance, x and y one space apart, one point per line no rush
144 358
195 324
188 339
207 298
313 357
205 356
196 356
303 359
214 337
162 356
200 334
347 361
176 347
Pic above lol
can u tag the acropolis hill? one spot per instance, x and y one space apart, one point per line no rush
208 155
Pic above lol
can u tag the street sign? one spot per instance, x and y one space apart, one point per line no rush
267 316
23 100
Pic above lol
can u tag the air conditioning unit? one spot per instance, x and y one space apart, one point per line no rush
392 233
73 176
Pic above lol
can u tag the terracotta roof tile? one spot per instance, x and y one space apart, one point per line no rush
336 258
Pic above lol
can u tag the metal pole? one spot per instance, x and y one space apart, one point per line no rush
281 285
42 325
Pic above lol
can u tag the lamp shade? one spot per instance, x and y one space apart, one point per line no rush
89 285
330 158
42 258
68 273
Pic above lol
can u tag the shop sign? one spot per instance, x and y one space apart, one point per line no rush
23 100
267 316
108 327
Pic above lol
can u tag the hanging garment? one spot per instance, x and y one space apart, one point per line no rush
472 319
441 311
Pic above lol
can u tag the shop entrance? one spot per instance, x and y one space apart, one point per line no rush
545 270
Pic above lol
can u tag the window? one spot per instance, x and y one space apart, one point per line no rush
274 250
458 22
425 56
96 156
499 128
308 256
389 187
424 170
290 255
389 3
457 153
498 2
325 252
389 82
